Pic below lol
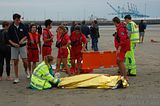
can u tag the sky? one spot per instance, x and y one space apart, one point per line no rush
71 9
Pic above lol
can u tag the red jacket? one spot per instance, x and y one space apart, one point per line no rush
123 39
47 35
33 40
63 39
78 39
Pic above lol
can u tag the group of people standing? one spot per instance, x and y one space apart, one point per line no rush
17 40
93 31
126 38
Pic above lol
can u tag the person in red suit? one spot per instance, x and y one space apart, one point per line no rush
122 44
47 39
78 44
33 47
62 43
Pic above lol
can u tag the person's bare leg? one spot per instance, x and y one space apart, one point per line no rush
73 62
9 78
65 63
119 72
58 65
79 66
123 70
16 67
29 67
73 65
25 65
33 66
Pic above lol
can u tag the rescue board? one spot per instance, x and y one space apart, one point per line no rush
93 60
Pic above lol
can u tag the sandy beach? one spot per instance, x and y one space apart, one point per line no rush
144 89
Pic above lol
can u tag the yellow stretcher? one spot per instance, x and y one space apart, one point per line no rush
93 81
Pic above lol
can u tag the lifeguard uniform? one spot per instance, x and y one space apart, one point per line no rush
63 51
77 42
32 47
122 40
47 46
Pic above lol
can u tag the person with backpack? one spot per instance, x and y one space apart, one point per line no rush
78 44
94 33
62 43
142 29
47 39
5 50
122 45
33 47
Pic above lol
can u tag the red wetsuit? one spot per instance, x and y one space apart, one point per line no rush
47 46
63 51
122 41
32 47
76 45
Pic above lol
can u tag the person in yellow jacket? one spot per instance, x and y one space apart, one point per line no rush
133 32
43 76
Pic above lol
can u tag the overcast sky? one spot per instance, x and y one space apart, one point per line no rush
70 9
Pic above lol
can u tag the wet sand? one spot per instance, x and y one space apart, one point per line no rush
144 89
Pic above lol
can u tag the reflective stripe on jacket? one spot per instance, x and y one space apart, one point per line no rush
41 77
134 32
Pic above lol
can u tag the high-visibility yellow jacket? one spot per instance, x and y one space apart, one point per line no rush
41 77
133 32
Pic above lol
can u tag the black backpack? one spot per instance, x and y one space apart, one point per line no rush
59 43
75 43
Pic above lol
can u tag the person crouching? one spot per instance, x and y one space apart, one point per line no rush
43 77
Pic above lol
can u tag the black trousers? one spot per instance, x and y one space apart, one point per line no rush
5 54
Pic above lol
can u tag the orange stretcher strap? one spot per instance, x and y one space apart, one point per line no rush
92 60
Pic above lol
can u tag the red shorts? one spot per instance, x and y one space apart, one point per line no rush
33 55
76 54
46 51
121 56
62 53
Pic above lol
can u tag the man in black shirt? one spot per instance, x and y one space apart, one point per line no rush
39 28
73 26
142 28
86 31
17 37
94 33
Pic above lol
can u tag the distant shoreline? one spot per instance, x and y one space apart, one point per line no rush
103 23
